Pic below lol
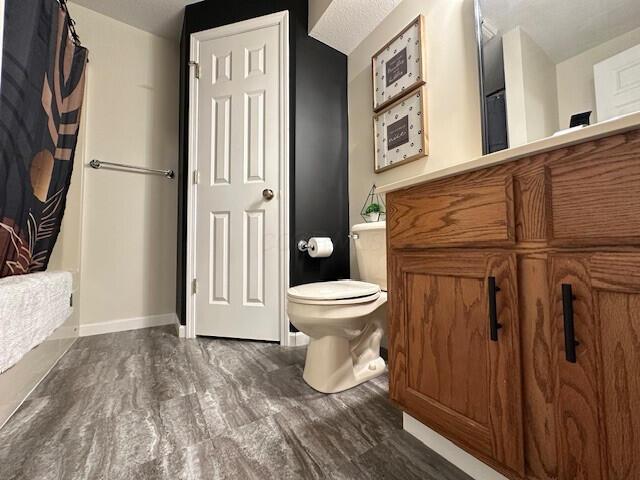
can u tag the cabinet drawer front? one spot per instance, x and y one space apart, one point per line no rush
452 213
595 197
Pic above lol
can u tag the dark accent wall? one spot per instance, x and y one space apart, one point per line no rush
319 195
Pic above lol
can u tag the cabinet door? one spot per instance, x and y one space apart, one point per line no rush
598 389
445 368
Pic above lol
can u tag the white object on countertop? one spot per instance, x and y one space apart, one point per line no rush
569 130
32 306
320 247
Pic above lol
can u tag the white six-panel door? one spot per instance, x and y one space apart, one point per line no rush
617 84
238 200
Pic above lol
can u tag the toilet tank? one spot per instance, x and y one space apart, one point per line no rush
371 252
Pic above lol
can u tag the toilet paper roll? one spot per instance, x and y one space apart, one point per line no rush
320 247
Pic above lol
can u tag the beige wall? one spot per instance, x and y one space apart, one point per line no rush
576 91
530 78
316 9
514 85
541 90
453 96
128 219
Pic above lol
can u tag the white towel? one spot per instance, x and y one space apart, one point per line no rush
31 307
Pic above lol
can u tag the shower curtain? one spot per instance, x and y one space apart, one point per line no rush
41 94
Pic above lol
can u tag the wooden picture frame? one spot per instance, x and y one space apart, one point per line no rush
400 66
400 131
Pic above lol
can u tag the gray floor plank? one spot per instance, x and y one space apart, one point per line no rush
147 405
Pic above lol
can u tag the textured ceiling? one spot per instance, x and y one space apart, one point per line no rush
345 23
161 17
564 28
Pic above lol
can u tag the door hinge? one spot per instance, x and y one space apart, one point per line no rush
194 286
196 177
196 69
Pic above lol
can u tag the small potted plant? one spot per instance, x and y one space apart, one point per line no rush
373 208
373 212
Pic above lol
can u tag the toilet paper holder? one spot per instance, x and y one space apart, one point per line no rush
303 246
316 247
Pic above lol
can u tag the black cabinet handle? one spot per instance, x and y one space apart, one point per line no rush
494 326
569 331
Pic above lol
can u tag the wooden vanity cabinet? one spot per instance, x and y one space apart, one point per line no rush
456 377
557 396
596 314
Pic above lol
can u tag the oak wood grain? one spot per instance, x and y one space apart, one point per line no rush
569 216
615 280
595 195
538 365
531 207
396 321
615 271
577 403
448 350
466 213
505 389
620 313
457 380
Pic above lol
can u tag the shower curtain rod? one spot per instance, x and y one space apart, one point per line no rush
72 23
97 164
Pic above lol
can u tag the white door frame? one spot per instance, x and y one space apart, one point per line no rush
281 19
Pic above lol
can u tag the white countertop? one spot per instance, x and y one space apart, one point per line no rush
592 132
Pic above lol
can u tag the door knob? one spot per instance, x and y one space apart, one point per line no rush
268 194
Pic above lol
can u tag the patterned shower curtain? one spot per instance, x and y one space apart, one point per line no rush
41 94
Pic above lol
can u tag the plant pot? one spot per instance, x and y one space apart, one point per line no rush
373 217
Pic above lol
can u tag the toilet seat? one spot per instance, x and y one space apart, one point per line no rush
341 292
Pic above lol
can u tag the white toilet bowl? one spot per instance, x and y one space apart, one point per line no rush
345 322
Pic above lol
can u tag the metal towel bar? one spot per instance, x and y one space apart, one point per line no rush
100 164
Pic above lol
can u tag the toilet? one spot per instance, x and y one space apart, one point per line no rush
345 319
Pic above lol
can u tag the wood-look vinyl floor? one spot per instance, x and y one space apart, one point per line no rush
147 405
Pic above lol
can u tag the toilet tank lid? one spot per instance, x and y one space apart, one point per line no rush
360 227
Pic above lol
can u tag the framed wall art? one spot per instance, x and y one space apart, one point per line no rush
400 131
399 66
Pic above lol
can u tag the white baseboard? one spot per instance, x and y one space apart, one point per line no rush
181 330
449 450
297 339
125 324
